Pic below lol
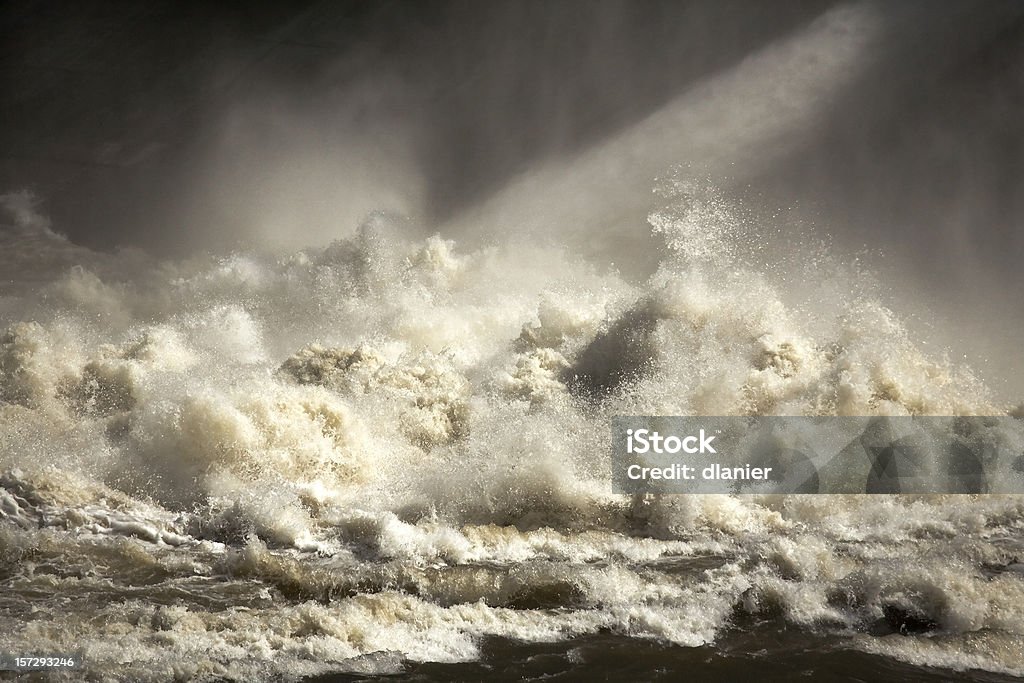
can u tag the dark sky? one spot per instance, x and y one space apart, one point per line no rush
115 105
169 124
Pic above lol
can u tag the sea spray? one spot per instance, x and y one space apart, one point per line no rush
247 466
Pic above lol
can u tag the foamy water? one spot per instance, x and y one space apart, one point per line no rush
384 451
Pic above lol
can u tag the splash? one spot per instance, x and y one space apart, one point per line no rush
383 451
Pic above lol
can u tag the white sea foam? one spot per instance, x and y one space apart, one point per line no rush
387 449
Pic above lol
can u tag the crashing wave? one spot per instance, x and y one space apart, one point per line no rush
390 446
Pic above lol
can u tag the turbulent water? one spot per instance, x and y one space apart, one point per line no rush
389 454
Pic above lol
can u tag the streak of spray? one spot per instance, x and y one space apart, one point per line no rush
745 115
852 67
426 119
738 125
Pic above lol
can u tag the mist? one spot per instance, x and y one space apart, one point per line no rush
888 129
319 324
